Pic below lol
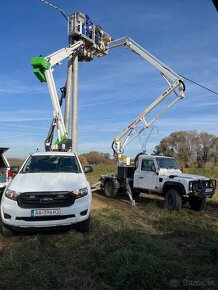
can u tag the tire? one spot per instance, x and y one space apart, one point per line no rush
173 200
109 189
85 226
197 204
6 232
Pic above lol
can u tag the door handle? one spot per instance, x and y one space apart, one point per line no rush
141 177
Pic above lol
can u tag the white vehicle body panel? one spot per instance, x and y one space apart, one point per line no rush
34 182
43 183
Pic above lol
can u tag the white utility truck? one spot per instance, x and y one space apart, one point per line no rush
159 175
154 174
51 189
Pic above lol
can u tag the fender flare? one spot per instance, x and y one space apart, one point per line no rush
171 184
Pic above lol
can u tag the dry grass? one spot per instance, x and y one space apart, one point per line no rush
142 247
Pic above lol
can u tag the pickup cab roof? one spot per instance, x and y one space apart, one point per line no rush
154 156
55 153
3 150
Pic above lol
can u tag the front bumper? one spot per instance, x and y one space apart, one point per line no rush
17 217
202 188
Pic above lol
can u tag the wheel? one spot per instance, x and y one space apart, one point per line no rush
173 200
85 226
109 189
197 203
6 232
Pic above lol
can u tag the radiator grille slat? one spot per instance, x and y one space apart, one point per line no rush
45 199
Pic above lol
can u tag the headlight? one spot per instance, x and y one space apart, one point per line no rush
190 186
80 192
11 194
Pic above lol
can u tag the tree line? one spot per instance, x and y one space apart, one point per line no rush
190 148
95 157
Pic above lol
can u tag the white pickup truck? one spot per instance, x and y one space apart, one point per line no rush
50 190
160 175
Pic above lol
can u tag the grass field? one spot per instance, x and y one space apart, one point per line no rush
142 247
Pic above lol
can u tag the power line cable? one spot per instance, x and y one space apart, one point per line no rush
203 87
57 8
212 91
66 17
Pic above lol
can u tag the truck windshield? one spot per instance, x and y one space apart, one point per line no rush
51 163
167 163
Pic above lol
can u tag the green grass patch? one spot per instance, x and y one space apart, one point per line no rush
208 172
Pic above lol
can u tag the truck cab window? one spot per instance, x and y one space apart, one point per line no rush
147 165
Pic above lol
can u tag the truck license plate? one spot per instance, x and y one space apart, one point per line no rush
208 190
45 212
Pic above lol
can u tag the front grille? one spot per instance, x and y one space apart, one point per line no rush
45 199
45 218
202 185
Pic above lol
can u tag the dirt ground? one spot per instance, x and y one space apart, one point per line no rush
122 201
100 201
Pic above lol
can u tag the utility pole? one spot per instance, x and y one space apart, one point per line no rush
75 104
68 98
86 41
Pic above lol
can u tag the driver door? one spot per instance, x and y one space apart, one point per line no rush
148 176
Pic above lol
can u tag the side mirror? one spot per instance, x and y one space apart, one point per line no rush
88 169
14 169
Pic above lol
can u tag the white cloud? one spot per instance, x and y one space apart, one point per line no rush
10 84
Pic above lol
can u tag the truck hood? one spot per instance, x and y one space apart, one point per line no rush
176 173
191 176
33 182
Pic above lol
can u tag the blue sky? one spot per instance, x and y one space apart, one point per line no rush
112 90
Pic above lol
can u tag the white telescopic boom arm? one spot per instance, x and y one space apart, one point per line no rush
54 59
63 53
42 67
172 79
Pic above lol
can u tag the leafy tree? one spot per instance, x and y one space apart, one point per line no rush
190 147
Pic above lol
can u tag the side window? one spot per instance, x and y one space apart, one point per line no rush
147 165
